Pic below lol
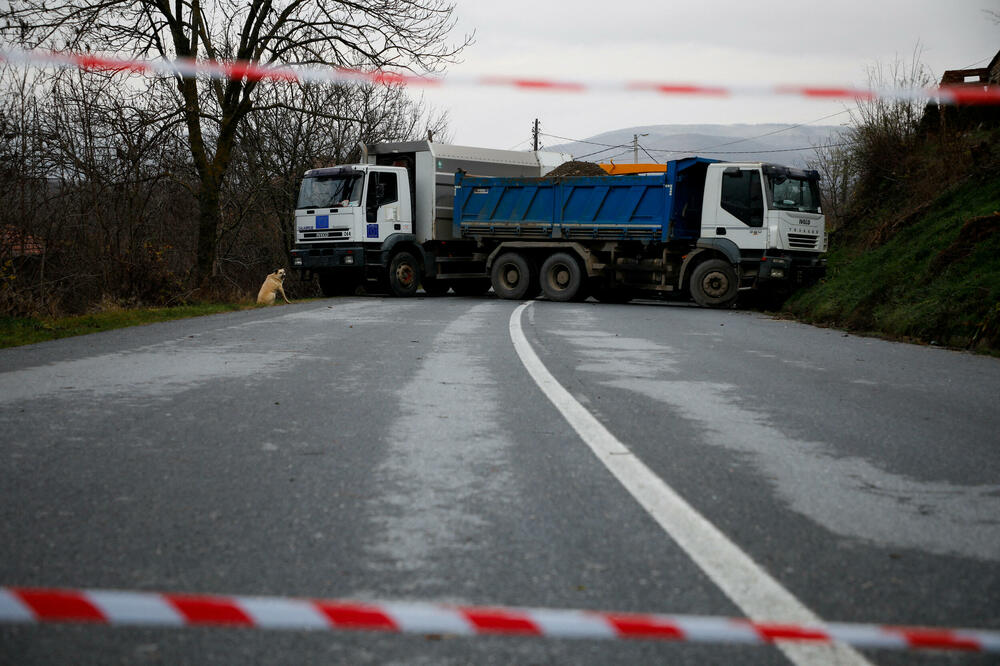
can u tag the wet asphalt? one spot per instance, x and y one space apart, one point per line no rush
376 448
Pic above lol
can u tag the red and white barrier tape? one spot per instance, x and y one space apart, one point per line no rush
965 94
121 608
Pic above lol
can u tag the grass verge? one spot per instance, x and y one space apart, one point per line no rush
16 331
935 281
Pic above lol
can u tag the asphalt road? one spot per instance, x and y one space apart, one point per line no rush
375 449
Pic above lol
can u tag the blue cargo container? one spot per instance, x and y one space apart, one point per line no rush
661 207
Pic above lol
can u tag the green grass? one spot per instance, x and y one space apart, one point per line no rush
15 331
910 288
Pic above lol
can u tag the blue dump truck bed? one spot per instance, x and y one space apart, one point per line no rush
652 208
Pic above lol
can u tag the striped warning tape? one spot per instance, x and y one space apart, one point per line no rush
964 94
124 608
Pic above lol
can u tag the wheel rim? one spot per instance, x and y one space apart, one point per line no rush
715 284
561 277
511 276
405 275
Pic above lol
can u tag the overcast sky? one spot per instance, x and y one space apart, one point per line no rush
704 41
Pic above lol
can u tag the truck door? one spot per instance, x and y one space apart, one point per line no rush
740 214
382 207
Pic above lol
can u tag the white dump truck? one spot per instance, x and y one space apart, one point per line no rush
468 219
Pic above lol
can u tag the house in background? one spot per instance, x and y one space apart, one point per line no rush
982 76
957 118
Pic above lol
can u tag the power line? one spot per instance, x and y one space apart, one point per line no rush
592 143
777 131
709 149
710 152
613 157
750 152
605 150
980 62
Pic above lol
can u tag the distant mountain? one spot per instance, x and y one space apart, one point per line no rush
782 144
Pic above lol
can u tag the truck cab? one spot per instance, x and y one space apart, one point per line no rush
766 220
353 202
345 216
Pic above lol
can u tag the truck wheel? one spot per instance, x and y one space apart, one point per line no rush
404 274
513 276
714 284
562 278
333 285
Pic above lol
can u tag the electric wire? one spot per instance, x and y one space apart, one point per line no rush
605 150
708 150
720 145
777 131
716 152
647 152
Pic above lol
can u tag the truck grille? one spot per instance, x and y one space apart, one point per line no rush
335 233
802 242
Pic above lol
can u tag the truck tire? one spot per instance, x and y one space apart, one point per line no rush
404 274
332 284
513 276
562 278
714 284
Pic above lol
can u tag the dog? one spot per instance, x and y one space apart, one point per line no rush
271 288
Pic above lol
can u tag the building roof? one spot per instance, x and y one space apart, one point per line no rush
979 76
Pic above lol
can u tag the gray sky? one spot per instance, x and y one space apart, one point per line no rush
703 42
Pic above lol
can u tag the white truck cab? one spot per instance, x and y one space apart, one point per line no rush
764 207
359 202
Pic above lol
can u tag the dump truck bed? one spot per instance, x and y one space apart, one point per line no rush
652 208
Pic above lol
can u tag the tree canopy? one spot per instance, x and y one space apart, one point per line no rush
411 35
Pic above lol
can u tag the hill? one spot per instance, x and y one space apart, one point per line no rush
784 144
917 254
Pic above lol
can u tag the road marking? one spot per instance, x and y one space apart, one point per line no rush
749 586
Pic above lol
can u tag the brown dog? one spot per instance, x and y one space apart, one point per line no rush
271 287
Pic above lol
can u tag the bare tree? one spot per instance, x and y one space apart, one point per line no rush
882 129
837 180
302 127
91 169
407 34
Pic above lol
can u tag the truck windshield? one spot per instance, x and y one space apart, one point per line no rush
330 191
791 193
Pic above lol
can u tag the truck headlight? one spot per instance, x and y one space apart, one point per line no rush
777 272
349 260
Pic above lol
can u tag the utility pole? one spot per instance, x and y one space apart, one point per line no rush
534 135
635 147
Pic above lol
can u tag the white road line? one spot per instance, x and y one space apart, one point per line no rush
751 588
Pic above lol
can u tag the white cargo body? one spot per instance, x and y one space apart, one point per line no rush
432 168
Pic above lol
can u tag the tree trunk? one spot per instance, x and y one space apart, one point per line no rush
209 217
213 175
